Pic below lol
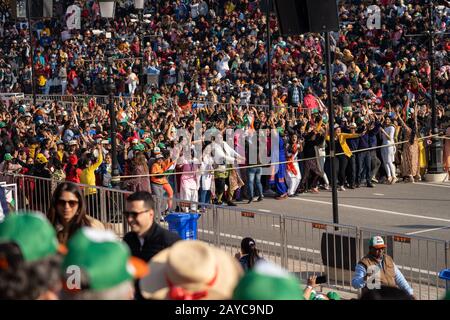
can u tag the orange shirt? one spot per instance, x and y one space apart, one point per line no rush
160 169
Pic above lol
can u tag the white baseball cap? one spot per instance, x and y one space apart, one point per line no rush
377 242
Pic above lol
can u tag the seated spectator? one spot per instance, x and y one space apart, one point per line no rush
378 269
249 255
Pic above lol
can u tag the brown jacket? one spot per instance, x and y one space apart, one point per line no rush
387 273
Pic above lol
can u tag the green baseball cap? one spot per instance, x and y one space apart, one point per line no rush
7 157
332 295
161 145
2 124
106 261
33 233
267 281
148 140
139 147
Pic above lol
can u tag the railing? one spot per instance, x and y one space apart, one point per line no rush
102 99
303 246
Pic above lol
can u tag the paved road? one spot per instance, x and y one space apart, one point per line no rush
420 208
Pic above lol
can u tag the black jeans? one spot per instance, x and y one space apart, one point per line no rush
340 163
352 171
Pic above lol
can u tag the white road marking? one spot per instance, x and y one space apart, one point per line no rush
276 225
394 213
443 185
427 230
378 194
264 210
276 244
271 243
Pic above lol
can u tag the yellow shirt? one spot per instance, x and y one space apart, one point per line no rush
88 175
343 142
60 155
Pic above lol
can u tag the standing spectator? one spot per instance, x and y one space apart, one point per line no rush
379 268
293 174
295 93
410 151
132 81
312 139
89 166
189 179
159 181
388 152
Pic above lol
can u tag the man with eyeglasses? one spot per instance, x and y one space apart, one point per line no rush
378 269
146 237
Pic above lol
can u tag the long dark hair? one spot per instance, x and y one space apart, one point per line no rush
248 247
79 220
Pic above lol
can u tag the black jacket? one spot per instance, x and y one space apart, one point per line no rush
156 239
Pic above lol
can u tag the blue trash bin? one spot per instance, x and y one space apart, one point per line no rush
185 224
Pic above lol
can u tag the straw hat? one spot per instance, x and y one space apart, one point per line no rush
191 270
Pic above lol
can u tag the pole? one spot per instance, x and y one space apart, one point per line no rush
435 164
331 126
269 45
30 34
112 118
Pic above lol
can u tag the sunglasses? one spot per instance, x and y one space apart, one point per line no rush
134 214
62 203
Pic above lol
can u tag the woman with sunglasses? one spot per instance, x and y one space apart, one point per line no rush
67 212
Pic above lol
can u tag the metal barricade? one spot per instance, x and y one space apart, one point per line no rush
234 224
303 246
419 259
317 247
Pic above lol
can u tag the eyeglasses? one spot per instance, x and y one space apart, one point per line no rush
62 203
134 214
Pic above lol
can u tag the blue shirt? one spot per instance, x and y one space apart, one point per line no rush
358 281
363 141
373 135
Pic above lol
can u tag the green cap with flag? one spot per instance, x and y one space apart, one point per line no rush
106 261
32 233
267 281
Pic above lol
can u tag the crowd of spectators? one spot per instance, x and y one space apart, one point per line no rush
181 64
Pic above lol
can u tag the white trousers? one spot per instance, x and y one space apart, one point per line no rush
189 195
292 180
